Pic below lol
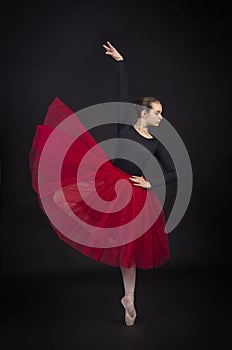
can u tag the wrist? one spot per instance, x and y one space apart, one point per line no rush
119 59
148 184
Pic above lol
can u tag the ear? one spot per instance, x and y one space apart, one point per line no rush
143 113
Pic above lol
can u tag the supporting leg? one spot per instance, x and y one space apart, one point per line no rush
129 279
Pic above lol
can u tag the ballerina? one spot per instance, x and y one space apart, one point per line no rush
151 248
150 114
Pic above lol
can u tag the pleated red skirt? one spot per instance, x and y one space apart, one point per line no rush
89 202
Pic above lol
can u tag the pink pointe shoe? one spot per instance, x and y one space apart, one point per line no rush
130 312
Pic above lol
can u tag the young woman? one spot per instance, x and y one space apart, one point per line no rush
151 248
149 115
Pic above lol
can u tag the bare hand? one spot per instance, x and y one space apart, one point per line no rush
140 181
111 50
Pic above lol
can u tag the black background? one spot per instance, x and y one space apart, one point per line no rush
179 51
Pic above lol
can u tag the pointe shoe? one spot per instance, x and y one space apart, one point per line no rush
129 320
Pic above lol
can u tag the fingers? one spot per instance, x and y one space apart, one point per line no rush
110 45
109 51
135 178
106 47
138 181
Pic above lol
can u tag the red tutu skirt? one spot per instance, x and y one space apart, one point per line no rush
89 202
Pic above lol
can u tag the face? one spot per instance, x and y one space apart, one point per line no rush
153 117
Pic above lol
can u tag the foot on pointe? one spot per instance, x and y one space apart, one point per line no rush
128 303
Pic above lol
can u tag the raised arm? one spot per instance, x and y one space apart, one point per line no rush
123 86
115 54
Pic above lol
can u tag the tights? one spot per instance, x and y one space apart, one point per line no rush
129 278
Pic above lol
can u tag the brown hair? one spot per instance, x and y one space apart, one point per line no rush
145 103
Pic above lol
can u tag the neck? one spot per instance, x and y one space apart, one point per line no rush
141 124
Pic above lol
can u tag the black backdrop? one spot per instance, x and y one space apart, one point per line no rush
178 51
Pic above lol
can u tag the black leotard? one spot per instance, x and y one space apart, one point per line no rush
152 144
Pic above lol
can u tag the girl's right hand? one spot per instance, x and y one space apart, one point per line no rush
111 50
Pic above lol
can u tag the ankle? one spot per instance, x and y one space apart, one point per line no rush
129 295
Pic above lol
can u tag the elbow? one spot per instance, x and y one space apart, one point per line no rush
173 176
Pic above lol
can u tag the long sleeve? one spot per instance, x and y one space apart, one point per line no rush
167 166
124 110
127 115
123 86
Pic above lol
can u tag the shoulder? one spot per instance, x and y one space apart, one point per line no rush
125 129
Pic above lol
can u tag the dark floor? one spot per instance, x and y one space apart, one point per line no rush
176 310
